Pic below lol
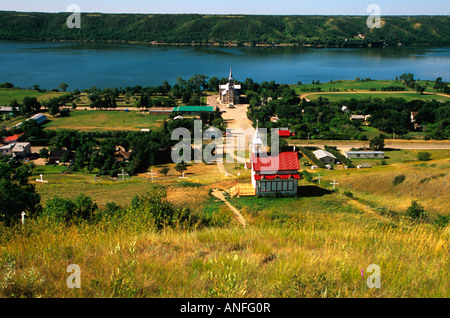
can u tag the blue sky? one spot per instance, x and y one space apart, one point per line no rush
326 7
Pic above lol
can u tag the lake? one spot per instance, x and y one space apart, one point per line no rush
83 65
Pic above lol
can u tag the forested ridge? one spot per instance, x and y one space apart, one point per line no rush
325 31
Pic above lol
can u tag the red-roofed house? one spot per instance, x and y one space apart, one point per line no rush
274 174
11 139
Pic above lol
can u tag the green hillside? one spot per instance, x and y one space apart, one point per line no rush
329 31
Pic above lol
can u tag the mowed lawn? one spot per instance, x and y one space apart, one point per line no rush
89 120
7 95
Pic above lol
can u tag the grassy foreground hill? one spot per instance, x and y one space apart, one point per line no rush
330 31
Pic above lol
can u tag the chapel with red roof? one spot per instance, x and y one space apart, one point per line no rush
275 173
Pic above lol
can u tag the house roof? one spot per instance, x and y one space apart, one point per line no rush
13 138
58 153
193 108
363 152
287 160
322 154
284 132
20 146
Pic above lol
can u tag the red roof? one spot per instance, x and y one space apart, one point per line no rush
287 160
12 138
284 133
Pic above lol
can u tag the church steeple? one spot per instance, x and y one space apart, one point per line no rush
257 142
230 78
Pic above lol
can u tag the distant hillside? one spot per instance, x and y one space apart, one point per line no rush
328 31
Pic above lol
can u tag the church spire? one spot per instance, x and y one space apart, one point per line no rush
230 78
257 142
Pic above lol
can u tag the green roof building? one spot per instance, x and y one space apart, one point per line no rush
193 109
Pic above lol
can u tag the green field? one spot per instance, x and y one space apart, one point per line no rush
408 96
8 94
89 120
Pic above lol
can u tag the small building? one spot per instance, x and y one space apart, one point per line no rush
57 155
345 109
192 109
6 149
276 174
160 110
273 174
325 156
6 110
364 154
363 165
121 155
18 149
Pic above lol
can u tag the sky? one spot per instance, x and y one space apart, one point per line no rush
281 7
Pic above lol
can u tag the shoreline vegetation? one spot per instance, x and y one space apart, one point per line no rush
227 31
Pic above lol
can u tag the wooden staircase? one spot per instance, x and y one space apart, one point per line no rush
242 189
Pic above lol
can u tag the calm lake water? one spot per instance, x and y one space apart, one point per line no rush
83 65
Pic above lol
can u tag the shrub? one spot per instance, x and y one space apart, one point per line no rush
415 210
348 194
398 179
442 220
424 156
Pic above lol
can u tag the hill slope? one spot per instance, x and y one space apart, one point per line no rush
330 31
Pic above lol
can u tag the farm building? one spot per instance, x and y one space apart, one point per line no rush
364 154
325 156
57 155
193 109
18 149
39 118
160 110
274 174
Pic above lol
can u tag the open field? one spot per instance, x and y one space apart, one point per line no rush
7 95
408 96
338 90
105 120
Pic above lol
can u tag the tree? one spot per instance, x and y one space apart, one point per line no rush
180 167
415 210
377 143
164 171
30 104
63 86
17 194
44 153
420 89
